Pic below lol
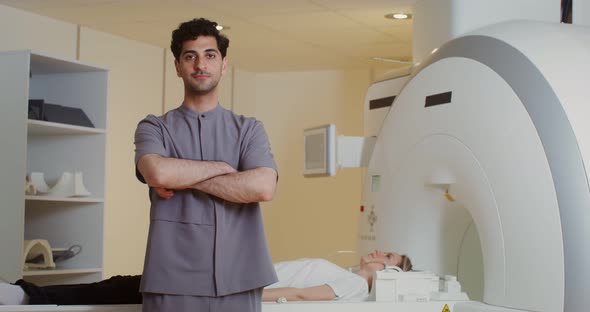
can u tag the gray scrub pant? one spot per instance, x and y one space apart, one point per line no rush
248 301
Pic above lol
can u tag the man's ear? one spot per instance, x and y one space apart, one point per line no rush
177 66
223 66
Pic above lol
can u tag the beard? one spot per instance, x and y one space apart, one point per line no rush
197 87
202 89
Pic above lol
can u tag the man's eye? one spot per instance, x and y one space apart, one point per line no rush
189 57
211 56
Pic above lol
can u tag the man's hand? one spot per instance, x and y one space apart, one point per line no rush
163 192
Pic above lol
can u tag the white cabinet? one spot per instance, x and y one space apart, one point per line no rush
52 148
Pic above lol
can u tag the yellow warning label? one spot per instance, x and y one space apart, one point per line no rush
446 308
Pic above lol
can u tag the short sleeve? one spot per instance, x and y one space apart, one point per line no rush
257 151
148 140
352 288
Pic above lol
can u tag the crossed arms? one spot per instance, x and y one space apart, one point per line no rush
213 177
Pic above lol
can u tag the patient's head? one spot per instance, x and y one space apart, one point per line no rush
378 260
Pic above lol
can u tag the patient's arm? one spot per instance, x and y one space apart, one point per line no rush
316 293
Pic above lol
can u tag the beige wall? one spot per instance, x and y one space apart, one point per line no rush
135 90
245 93
173 91
308 217
23 30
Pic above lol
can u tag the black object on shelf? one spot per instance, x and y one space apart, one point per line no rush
36 109
39 110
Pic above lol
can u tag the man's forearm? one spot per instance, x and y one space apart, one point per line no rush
173 173
248 186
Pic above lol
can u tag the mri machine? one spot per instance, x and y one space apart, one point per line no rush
478 169
487 143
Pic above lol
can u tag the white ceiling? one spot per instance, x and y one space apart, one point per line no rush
265 35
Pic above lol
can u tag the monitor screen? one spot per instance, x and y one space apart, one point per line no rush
320 151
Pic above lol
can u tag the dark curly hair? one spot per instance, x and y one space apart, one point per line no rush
194 28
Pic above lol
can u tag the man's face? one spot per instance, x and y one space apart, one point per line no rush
200 65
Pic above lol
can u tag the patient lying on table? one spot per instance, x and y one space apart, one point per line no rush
302 279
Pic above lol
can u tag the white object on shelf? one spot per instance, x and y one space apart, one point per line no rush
37 179
29 187
79 188
34 248
70 185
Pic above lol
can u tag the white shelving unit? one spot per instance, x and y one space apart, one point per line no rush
51 148
46 128
64 199
60 272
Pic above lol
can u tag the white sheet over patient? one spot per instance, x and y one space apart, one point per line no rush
314 272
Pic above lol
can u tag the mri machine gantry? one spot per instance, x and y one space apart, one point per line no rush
498 119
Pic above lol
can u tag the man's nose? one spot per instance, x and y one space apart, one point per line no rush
199 63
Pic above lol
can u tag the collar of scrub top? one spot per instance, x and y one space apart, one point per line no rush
203 115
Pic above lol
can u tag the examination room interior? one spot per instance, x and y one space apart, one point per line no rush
293 65
297 74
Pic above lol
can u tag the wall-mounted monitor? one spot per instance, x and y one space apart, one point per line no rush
320 151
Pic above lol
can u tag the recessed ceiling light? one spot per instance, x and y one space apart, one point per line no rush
221 27
398 16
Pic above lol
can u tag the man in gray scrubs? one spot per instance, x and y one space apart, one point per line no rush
207 168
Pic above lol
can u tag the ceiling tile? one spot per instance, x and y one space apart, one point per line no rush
356 4
307 22
265 35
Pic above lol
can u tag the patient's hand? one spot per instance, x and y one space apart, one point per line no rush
163 192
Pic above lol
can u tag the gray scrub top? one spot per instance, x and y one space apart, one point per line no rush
199 244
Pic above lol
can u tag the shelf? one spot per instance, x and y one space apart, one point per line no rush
53 148
38 127
41 272
64 199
